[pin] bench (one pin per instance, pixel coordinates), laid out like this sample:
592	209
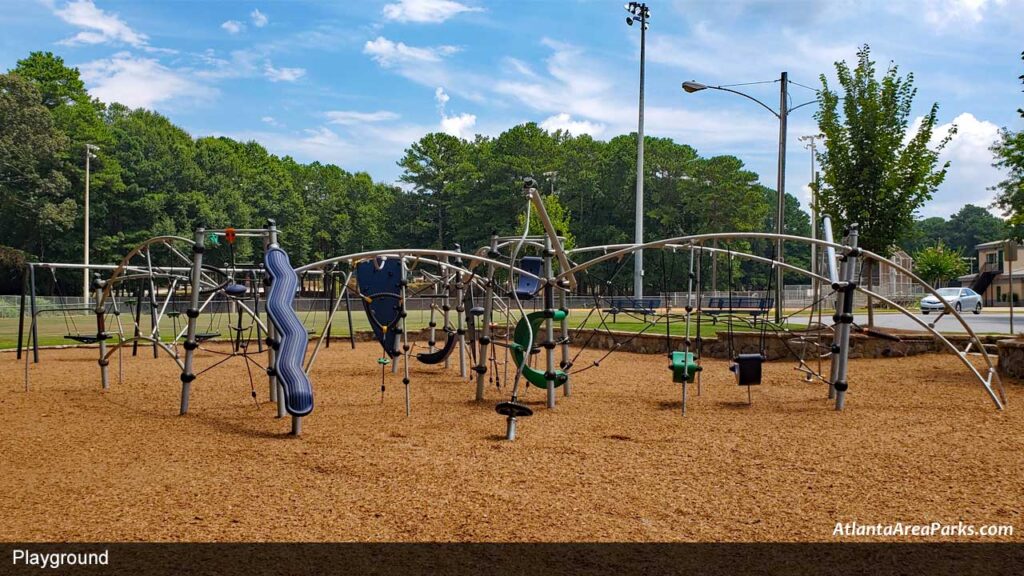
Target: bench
645	306
747	305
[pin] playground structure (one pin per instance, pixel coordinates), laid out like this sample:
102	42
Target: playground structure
479	297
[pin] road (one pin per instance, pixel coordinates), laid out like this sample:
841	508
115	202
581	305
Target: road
997	322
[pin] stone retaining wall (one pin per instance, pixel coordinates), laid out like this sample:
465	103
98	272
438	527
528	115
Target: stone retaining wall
1011	358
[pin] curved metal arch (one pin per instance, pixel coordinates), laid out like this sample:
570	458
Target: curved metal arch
414	253
698	240
1000	402
115	276
626	249
993	373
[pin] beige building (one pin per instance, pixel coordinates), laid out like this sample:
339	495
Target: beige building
889	281
993	280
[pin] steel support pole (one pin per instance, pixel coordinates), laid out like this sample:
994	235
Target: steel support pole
187	376
446	302
549	323
485	338
564	364
21	310
101	330
460	329
405	339
34	332
846	320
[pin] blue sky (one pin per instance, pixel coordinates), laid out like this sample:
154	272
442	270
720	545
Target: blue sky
354	83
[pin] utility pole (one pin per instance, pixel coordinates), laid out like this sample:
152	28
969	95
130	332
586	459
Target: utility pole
780	213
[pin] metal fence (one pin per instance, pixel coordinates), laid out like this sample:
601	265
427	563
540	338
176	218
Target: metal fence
795	297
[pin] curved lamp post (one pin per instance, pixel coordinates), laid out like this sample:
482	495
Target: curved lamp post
782	114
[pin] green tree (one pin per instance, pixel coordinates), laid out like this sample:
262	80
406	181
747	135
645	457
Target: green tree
939	263
33	187
1009	152
81	119
925	233
438	167
876	176
973	225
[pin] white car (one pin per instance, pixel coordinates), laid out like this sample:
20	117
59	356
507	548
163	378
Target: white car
960	299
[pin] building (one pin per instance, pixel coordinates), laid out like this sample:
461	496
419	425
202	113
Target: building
993	280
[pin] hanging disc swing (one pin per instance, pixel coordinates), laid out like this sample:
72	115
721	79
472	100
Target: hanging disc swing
685	364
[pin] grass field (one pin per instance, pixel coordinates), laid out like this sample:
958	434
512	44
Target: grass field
53	327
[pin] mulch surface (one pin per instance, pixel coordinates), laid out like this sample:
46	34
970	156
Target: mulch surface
919	442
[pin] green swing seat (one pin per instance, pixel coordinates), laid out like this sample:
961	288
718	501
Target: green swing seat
684	367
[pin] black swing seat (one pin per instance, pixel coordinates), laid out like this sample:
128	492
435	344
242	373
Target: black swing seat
173	314
747	368
88	339
477	311
513	409
235	290
438	356
204	336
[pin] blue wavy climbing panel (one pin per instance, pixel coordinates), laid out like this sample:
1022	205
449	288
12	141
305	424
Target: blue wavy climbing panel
380	285
292	337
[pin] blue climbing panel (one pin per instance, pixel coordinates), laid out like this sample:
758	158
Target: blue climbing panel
376	279
292	337
527	286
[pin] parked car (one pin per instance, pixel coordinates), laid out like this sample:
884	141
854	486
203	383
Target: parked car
960	299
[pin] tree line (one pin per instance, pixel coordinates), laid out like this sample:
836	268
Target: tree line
150	177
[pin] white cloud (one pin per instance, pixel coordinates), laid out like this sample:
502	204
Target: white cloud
441	97
970	172
233	26
565	122
259	19
460	126
138	82
388	53
709	55
282	74
99	27
425	11
270	120
942	13
349	117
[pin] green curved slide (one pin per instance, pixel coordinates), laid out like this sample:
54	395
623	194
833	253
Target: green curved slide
521	338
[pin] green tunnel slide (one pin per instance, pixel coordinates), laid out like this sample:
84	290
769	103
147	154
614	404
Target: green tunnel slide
521	339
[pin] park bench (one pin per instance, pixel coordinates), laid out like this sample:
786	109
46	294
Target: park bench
740	305
627	305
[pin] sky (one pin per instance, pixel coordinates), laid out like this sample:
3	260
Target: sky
355	83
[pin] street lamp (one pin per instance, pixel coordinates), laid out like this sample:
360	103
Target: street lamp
89	148
812	145
783	113
639	13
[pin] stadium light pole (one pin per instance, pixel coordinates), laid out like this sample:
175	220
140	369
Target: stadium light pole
783	114
639	13
89	148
